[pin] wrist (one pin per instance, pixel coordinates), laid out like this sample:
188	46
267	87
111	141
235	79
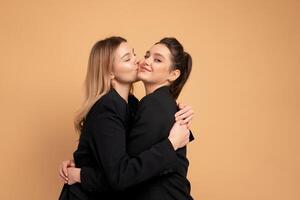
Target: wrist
78	175
173	144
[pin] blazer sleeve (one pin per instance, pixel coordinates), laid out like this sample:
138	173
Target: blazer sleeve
92	180
121	170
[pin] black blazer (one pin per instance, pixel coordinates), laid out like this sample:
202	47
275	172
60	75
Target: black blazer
153	121
106	168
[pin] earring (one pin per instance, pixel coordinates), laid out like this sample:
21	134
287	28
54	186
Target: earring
112	76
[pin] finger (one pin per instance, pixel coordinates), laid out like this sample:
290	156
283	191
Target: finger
61	173
186	109
72	163
181	111
179	122
65	168
187	120
63	178
189	124
185	115
181	105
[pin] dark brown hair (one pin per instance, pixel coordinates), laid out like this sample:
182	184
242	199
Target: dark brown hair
181	60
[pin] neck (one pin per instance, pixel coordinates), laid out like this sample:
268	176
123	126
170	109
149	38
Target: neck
122	89
149	88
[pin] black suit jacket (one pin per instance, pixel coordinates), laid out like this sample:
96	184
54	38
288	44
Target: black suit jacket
106	167
153	120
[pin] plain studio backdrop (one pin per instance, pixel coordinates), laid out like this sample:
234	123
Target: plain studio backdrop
244	88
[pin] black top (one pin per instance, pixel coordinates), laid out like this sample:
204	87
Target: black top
152	123
103	146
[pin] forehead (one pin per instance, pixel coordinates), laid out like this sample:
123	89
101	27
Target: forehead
161	49
123	49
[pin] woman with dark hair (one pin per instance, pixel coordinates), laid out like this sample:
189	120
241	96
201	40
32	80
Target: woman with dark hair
102	162
164	71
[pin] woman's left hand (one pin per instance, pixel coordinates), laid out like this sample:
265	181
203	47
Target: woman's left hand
73	175
186	114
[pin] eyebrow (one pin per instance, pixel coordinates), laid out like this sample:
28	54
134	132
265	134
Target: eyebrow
156	54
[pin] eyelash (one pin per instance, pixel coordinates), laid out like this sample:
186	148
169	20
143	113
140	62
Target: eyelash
156	60
130	58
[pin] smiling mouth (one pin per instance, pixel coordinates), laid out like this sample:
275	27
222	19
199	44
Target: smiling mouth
145	69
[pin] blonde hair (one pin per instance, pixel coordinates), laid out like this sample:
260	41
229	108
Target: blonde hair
97	81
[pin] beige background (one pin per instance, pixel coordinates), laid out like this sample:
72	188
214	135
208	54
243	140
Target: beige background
244	88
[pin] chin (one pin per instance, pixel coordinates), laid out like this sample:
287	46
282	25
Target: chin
136	79
141	79
141	76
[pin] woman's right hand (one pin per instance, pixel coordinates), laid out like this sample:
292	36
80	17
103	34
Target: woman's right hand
63	169
179	135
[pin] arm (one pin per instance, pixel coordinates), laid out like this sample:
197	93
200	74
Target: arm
92	180
121	170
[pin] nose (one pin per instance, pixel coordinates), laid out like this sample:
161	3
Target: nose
143	62
147	61
137	60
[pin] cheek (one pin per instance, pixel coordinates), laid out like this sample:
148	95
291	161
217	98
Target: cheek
125	72
160	72
124	68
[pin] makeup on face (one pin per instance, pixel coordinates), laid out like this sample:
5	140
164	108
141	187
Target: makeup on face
127	56
126	64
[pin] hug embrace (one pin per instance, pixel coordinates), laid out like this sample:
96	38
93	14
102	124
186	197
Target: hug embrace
131	149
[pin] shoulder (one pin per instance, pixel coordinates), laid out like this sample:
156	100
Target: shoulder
109	102
161	97
160	101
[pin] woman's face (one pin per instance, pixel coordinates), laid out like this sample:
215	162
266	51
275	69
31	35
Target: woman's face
156	66
125	64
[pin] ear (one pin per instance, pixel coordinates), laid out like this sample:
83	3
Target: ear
111	75
174	75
